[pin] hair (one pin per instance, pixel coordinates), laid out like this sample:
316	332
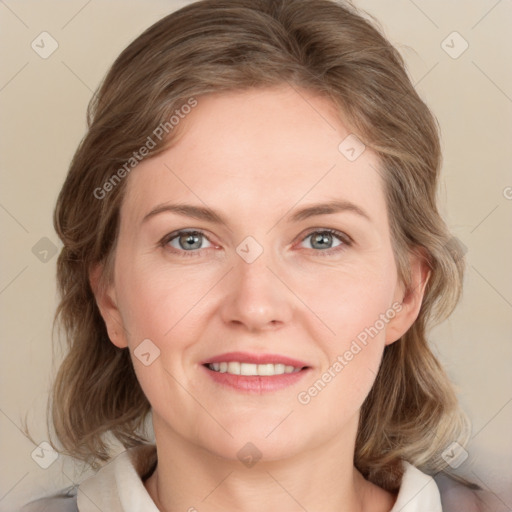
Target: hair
214	46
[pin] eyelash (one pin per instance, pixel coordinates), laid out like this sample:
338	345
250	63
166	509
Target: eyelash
345	239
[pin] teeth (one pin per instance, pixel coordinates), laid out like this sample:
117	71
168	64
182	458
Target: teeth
234	368
250	369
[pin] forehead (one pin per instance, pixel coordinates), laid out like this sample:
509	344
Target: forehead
257	151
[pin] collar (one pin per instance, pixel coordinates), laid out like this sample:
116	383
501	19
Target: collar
418	492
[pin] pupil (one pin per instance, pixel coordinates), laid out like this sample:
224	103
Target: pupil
191	241
323	239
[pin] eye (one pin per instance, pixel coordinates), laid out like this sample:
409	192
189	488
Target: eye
323	240
186	243
189	242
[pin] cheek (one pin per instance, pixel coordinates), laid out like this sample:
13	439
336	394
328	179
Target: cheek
161	306
156	301
349	300
357	306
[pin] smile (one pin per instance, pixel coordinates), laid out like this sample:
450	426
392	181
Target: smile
255	372
251	369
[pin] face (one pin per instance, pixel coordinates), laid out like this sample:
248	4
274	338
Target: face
317	291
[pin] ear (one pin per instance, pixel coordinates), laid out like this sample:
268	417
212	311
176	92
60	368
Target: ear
410	298
107	304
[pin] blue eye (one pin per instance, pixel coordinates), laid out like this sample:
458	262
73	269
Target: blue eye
323	239
189	242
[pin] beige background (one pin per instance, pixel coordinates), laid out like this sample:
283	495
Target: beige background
43	103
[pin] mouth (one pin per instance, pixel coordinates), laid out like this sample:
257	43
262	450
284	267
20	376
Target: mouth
255	373
251	369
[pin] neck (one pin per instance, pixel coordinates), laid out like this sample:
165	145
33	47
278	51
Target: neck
189	478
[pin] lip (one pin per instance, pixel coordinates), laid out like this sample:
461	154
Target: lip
256	384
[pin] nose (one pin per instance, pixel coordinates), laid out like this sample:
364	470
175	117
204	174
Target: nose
256	296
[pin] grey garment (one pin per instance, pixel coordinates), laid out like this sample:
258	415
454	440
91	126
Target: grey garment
63	502
456	497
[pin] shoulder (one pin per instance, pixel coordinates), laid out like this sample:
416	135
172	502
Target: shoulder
62	503
456	496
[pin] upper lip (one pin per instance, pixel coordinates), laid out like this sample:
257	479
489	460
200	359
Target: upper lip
246	357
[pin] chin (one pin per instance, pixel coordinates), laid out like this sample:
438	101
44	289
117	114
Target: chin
258	441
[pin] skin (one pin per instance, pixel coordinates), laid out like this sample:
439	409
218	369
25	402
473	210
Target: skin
256	156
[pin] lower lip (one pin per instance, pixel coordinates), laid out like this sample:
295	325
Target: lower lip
257	384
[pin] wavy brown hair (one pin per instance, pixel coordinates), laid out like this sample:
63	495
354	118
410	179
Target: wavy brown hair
209	46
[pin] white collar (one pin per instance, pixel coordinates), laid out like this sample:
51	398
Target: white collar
117	486
418	492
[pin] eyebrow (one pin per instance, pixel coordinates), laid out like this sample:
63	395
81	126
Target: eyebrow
209	215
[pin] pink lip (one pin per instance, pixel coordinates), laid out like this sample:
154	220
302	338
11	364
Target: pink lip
245	357
256	384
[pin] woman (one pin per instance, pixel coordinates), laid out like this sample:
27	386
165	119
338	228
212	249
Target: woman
252	256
